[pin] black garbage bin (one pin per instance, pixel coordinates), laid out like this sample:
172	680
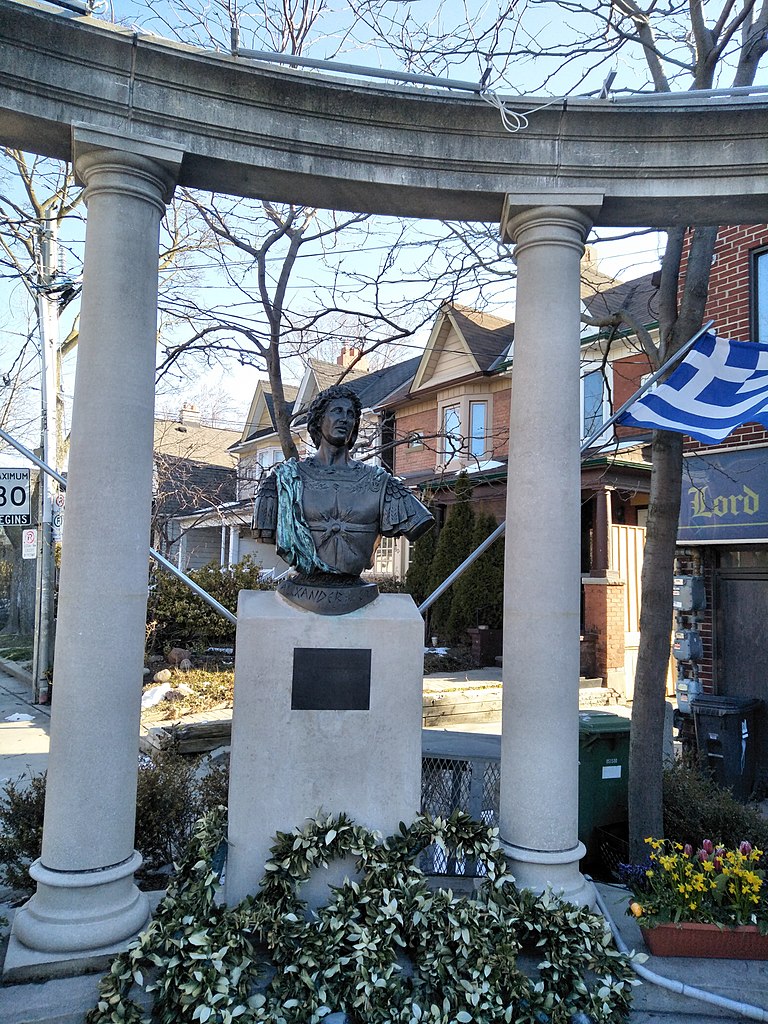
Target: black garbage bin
725	736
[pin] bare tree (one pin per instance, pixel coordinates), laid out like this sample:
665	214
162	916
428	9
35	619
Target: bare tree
684	44
296	277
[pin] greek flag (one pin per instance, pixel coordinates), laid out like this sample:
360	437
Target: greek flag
719	385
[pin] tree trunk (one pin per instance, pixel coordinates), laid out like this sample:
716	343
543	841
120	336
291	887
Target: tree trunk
676	324
647	735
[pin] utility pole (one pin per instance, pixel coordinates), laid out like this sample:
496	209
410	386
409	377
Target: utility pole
49	342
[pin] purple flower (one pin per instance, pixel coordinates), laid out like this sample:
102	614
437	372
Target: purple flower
745	848
707	846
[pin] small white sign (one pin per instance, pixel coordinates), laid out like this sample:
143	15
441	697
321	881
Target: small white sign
14	498
29	544
612	771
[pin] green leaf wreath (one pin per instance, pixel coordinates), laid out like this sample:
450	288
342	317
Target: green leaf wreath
387	947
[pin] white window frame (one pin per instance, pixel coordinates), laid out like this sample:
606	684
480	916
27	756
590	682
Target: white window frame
451	443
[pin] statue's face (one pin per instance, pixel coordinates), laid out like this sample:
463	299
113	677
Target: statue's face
338	422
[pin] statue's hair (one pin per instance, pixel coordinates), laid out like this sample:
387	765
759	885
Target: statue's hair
321	403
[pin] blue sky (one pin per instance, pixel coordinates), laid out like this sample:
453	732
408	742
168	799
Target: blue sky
623	258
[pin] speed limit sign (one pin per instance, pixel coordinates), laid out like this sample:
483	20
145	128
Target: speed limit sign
14	498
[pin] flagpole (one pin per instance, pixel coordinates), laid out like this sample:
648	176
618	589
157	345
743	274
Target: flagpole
586	445
429	601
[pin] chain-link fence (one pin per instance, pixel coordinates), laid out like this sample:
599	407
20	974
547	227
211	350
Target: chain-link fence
466	783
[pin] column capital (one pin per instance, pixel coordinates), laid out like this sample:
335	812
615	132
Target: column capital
157	162
576	209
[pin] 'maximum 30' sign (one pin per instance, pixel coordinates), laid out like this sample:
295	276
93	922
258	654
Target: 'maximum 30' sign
725	497
14	497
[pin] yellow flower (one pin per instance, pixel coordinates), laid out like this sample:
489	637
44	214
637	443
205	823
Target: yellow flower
636	909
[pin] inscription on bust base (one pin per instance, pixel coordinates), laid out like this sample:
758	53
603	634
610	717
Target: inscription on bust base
327	597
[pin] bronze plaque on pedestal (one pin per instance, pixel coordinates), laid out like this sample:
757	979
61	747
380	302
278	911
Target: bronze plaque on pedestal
331	679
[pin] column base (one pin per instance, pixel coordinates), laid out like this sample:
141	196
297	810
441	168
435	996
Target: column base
74	912
539	870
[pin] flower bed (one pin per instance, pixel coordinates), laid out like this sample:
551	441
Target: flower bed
708	902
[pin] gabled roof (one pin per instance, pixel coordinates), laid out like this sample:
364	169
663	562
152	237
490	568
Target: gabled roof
487	336
639	297
260	421
463	342
320	375
375	387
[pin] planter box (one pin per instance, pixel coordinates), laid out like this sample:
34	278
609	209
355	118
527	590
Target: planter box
706	940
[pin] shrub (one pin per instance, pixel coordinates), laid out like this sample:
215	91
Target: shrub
696	808
172	793
478	598
456	659
420	570
21	829
453	546
177	617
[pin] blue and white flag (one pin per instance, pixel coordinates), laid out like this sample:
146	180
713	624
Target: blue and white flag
719	385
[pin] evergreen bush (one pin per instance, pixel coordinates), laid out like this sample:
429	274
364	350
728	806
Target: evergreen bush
478	598
453	546
420	570
177	617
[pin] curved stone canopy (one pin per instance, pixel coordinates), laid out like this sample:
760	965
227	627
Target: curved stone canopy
263	131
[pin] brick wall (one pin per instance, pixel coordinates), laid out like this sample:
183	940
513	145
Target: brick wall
729	305
500	423
604	620
729	293
416	460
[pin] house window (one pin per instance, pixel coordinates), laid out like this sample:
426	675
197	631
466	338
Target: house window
477	418
760	296
464	429
416	439
451	439
595	401
269	457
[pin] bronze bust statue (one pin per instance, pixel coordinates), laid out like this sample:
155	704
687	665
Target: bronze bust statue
326	513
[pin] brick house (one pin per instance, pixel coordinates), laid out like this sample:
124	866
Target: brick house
454	415
723	533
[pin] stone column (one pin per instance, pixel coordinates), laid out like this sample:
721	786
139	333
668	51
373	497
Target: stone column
540	730
86	899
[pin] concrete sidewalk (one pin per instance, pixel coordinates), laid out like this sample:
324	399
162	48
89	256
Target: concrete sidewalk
24	729
24	748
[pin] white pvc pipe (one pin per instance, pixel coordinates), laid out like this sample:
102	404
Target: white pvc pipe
679	987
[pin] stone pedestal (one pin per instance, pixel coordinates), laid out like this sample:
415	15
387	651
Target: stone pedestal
327	718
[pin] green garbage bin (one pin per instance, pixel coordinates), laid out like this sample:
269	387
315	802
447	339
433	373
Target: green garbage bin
603	771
